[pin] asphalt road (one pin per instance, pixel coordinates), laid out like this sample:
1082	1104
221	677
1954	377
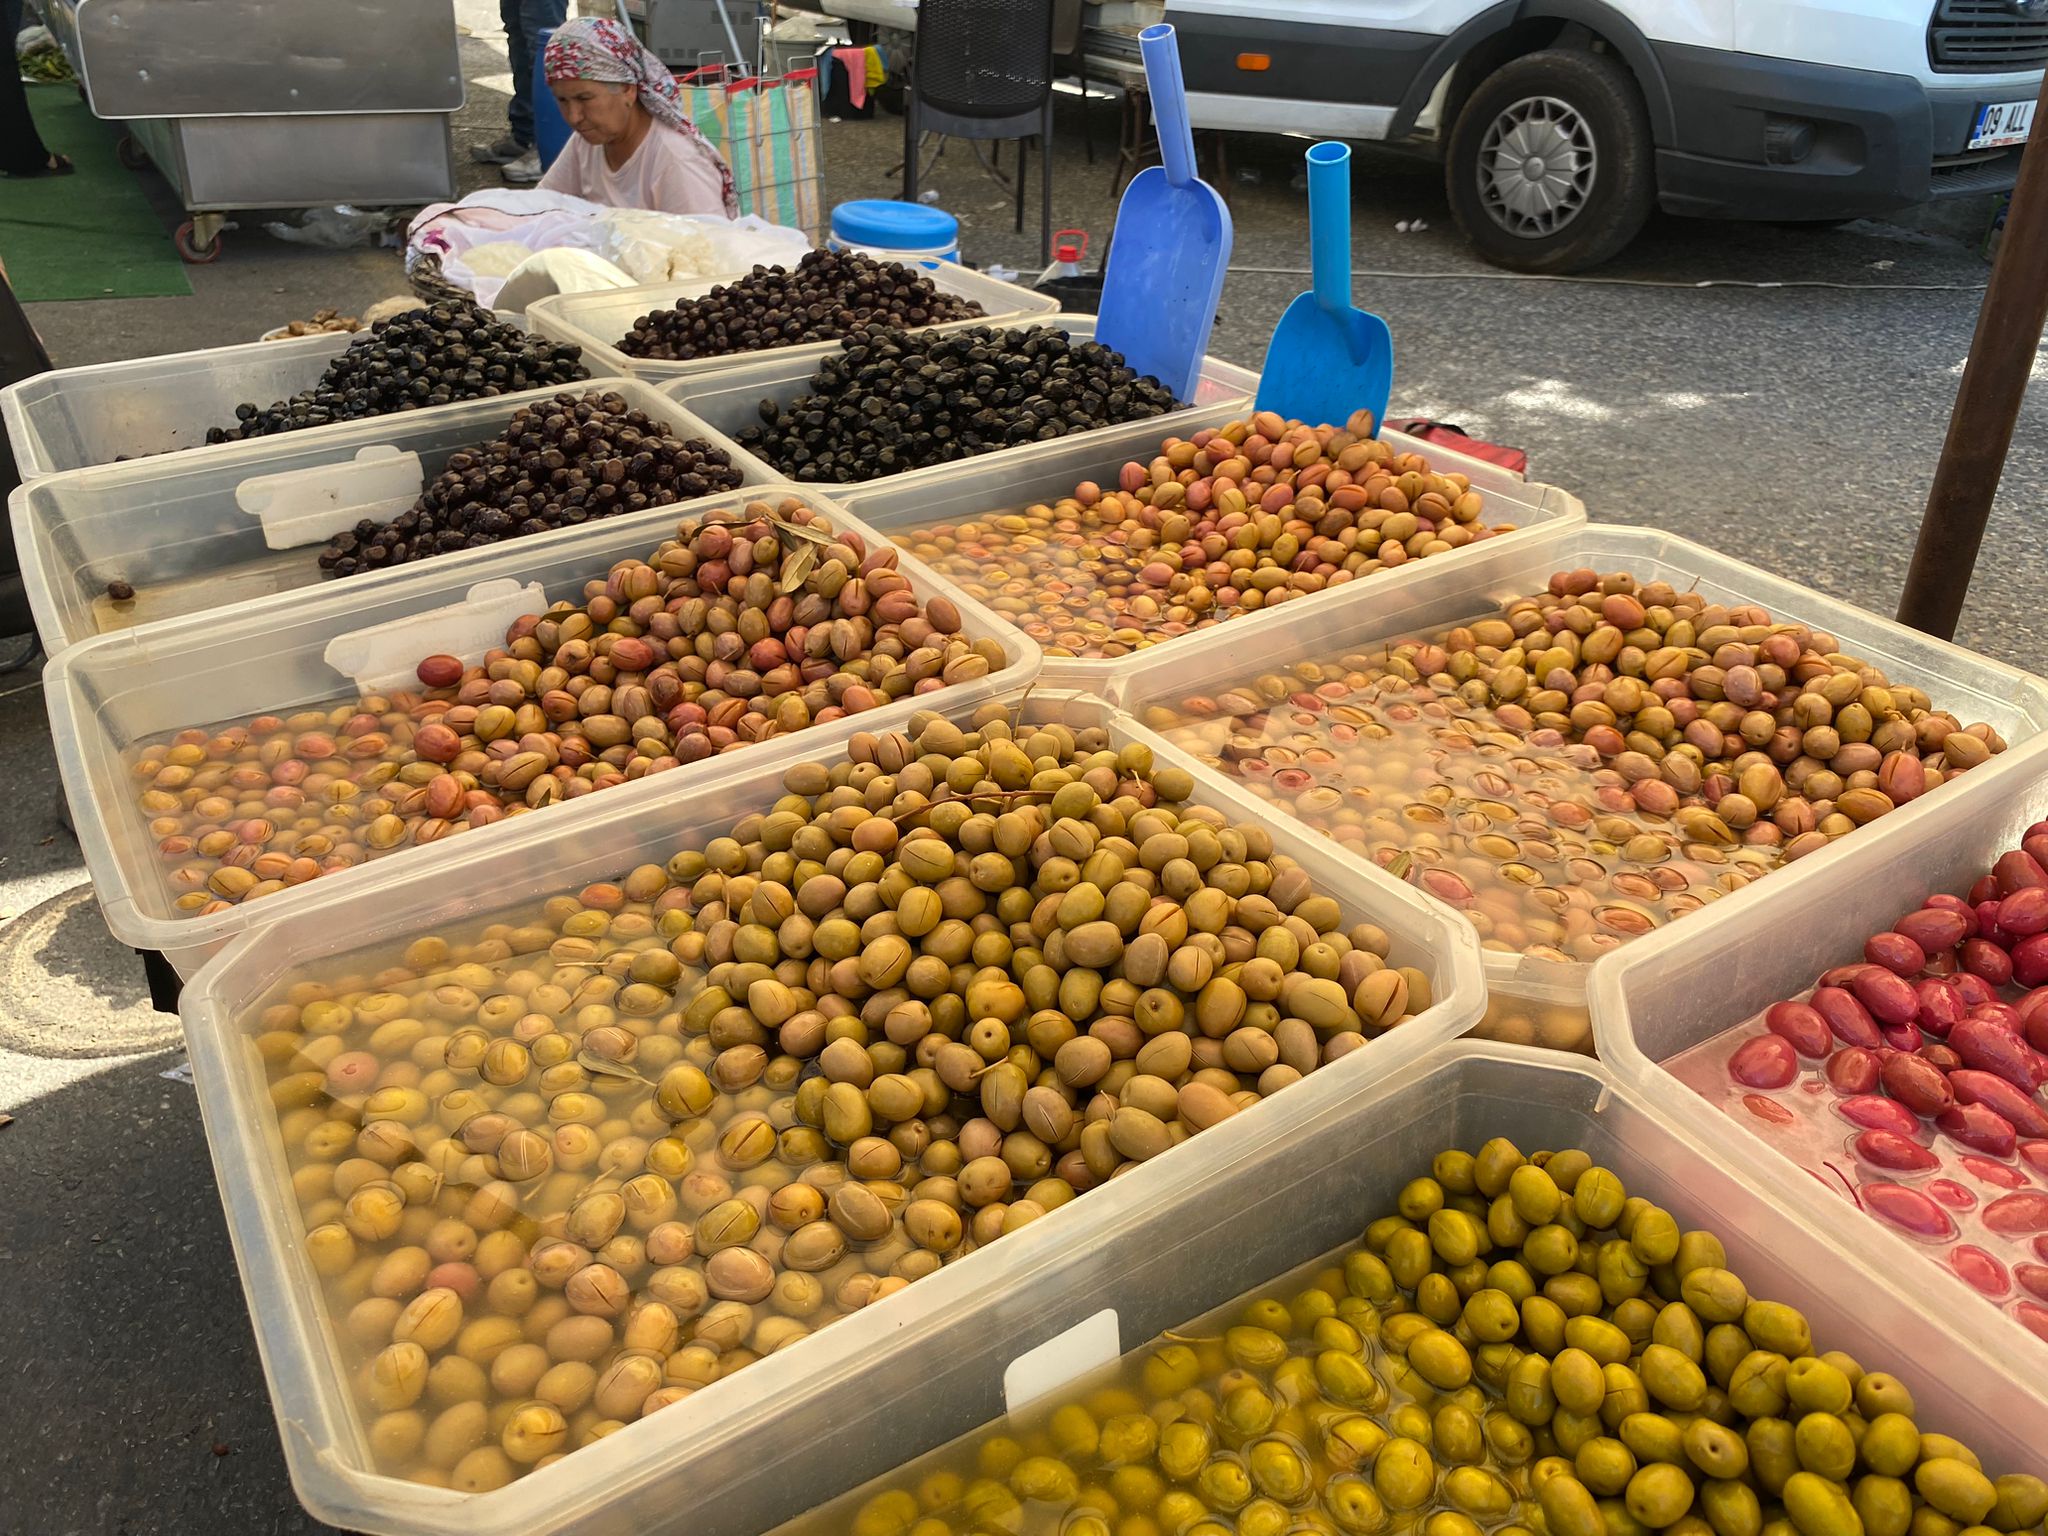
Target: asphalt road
1775	394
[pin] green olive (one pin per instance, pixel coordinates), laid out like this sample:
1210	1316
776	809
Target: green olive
1731	1508
1783	1330
1955	1488
1354	1506
1653	1437
1278	1470
1569	1508
1824	1445
1660	1493
1717	1295
1183	1446
1348	1380
1883	1504
1224	1484
1605	1465
1404	1474
1715	1449
1352	1442
1819	1507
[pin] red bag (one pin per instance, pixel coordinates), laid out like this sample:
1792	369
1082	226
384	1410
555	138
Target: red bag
1454	437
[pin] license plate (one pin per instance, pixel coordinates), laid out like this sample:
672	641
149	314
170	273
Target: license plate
2003	123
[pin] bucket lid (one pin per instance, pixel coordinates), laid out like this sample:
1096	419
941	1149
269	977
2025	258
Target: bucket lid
895	226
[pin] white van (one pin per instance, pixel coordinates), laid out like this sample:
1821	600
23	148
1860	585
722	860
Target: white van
1561	122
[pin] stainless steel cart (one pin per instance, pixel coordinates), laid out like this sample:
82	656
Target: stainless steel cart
253	104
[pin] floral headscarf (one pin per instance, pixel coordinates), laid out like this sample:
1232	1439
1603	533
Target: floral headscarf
598	48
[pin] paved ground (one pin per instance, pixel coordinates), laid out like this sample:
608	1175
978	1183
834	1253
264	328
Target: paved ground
1778	395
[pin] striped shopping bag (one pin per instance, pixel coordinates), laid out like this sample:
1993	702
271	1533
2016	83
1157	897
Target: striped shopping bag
767	129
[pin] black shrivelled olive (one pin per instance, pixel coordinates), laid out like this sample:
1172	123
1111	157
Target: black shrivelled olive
893	400
565	461
828	295
420	358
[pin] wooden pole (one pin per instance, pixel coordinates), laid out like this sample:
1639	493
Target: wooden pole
1987	402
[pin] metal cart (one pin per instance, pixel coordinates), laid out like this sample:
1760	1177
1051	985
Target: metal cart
252	104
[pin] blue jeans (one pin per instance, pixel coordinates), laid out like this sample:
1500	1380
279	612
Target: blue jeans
523	21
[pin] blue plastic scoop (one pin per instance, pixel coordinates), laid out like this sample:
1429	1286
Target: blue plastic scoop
1171	245
1327	359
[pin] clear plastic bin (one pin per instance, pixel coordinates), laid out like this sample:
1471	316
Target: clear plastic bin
1659	997
800	1424
108	694
905	505
597	321
1309	1194
731	399
171	527
71	418
1539	1000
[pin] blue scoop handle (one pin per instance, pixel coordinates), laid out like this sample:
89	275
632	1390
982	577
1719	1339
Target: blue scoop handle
1329	223
1170	103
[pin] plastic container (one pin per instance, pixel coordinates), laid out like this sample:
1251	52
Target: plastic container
597	321
1545	1001
70	418
732	399
889	230
790	1429
172	527
1665	994
1308	1195
109	694
905	505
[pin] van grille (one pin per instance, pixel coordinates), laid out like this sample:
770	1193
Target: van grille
1986	37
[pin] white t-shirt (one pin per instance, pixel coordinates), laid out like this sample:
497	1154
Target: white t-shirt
669	173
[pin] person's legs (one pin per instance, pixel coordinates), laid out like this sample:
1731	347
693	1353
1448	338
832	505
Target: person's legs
22	151
535	17
519	45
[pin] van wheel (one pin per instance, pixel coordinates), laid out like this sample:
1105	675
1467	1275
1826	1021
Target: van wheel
1551	165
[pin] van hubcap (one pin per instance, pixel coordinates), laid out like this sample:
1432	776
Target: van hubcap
1536	167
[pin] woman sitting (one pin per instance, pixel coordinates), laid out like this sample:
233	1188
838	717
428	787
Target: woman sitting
632	145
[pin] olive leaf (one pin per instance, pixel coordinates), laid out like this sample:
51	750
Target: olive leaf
590	1061
808	533
797	568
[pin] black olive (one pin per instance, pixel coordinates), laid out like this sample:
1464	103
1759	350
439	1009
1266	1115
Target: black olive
827	296
892	400
423	357
556	465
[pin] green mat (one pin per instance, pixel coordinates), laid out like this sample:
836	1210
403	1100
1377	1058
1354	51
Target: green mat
92	235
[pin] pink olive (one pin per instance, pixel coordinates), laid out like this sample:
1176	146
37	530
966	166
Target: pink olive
1853	1070
2033	1278
1917	1084
2016	1215
1988	1047
1890	998
2033	1318
1988	1172
1941	1006
1846	1018
1973	989
2017	870
1874	1113
1978	1127
1934	928
1983	1272
2035	1155
1943	902
1986	889
1938	1055
1901	1154
1842	975
1952	1194
1898	953
1901	1037
1768	1061
2025	911
2030	960
1985	959
1908	1210
1806	1029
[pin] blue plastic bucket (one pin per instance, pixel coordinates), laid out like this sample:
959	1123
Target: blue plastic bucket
893	231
